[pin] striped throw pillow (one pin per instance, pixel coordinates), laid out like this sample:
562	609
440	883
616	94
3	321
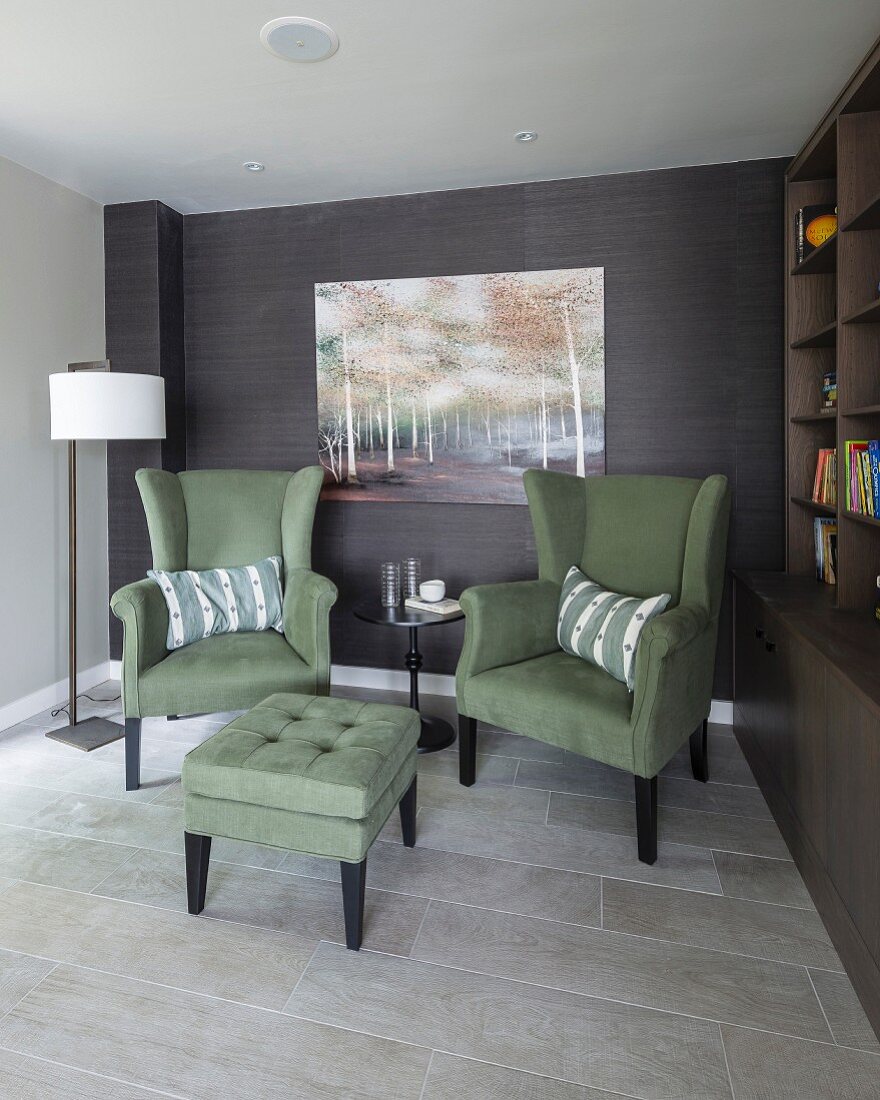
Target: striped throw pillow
220	601
604	627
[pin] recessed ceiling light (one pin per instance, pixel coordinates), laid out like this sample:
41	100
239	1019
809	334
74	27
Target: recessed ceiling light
253	166
525	136
295	38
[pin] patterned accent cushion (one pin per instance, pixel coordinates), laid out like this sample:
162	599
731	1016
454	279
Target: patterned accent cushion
221	601
604	627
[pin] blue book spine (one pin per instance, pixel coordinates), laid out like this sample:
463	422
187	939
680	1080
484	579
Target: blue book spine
874	457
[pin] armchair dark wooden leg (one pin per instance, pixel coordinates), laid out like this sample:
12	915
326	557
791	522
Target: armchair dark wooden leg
198	853
646	818
354	881
467	750
408	815
700	752
132	753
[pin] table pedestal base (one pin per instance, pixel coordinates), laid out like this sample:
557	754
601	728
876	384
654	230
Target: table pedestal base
437	734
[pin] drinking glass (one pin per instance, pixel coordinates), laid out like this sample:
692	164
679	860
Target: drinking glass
390	583
412	576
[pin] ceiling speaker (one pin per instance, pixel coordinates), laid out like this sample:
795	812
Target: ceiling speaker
295	38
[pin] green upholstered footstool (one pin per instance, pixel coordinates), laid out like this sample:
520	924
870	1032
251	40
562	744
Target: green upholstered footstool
308	773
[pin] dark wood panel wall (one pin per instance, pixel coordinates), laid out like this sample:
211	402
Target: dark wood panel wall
143	273
693	300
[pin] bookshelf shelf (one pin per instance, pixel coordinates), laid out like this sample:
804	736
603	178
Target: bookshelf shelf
867	315
862	410
821	262
825	337
814	418
859	518
816	505
867	218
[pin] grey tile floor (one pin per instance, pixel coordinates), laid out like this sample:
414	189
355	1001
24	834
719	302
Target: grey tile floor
519	951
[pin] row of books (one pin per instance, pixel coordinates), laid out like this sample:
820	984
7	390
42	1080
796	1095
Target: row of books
829	390
862	458
813	225
825	536
825	482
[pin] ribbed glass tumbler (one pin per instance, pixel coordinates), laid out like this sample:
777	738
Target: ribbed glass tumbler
412	577
390	583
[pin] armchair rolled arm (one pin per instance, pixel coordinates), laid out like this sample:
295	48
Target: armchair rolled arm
507	623
308	598
144	615
673	684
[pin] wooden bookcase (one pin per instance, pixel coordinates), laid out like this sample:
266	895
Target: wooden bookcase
833	320
807	654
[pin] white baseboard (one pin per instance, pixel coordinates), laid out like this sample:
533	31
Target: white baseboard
430	683
54	695
721	712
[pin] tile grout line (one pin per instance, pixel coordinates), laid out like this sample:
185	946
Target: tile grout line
94	1073
726	1061
27	993
611	1000
631	935
406	959
430	900
109	874
427	1075
567	1080
631	802
536	1074
419	930
305	968
499	859
821	1006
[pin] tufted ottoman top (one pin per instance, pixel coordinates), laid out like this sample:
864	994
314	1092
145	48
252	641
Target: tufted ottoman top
304	753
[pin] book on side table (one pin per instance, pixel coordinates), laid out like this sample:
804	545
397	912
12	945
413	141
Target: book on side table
437	607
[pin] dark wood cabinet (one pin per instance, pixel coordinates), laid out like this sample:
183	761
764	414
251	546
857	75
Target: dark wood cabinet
854	809
807	714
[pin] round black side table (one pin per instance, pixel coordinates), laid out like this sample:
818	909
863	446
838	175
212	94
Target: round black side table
436	734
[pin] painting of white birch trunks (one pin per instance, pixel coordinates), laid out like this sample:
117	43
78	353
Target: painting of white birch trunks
447	388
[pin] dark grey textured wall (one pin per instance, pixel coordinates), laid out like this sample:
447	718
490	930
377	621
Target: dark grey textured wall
143	277
693	301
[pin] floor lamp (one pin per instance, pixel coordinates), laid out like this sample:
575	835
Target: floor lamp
91	402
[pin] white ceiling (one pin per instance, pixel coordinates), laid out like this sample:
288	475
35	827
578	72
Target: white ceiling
144	99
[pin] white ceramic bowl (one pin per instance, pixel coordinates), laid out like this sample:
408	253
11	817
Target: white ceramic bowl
432	591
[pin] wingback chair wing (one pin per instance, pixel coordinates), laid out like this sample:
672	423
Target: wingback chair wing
204	519
638	535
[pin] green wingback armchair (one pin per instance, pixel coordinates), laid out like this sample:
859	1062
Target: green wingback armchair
203	519
632	534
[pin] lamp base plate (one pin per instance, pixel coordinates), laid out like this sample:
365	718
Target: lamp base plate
90	733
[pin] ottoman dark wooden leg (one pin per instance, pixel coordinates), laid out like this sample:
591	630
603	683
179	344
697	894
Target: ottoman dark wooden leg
408	815
198	853
354	881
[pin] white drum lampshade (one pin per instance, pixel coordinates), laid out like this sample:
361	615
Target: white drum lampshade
104	405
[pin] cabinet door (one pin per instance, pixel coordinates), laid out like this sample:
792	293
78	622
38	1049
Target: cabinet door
797	729
853	858
749	666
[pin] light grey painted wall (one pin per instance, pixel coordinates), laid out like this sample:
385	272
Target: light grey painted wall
51	313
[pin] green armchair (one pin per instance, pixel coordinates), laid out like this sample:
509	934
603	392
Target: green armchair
203	519
632	534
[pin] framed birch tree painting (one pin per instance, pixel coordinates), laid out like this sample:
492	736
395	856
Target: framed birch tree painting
445	389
